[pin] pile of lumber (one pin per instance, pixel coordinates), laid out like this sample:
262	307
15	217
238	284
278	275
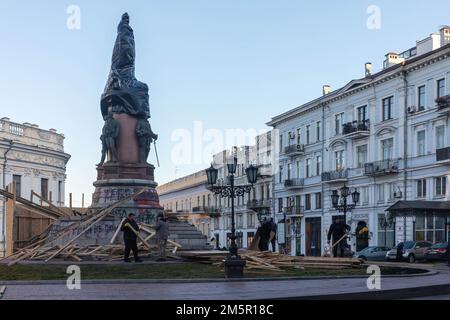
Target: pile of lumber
271	261
46	245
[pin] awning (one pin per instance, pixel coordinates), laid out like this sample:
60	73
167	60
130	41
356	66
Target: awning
406	207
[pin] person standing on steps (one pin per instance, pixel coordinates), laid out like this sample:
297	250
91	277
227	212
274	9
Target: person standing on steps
162	234
129	228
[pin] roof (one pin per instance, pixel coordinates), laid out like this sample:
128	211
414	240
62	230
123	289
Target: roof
412	205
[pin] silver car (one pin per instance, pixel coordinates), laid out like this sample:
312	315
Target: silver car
412	251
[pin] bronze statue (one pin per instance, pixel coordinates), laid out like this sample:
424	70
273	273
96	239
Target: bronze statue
123	92
110	132
145	137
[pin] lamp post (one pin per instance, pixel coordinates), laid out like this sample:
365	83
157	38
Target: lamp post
385	222
340	203
234	265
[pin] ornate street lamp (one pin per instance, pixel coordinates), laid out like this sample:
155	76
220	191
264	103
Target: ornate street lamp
234	265
339	202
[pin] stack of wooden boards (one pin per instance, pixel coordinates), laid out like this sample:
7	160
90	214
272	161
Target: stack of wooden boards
43	247
271	261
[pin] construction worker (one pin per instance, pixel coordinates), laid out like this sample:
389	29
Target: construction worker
162	234
130	229
338	229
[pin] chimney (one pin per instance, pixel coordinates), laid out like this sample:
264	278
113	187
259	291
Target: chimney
326	89
445	35
392	58
368	69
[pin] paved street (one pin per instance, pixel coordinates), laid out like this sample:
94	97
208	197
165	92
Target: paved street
217	290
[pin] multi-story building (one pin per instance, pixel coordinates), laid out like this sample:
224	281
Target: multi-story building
386	135
34	160
250	208
190	199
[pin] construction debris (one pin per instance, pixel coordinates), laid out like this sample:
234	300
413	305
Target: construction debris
271	261
43	247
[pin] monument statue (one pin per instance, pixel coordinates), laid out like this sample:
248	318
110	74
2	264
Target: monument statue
123	92
145	137
110	132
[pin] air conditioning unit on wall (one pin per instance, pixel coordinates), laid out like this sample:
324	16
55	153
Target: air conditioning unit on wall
412	109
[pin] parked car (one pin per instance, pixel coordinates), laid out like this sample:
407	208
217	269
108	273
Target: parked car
373	253
437	252
412	251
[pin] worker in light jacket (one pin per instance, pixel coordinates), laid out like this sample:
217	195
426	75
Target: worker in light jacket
129	228
162	234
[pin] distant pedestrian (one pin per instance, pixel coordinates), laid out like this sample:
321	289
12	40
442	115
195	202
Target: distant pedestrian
264	234
338	230
400	247
162	234
273	233
130	229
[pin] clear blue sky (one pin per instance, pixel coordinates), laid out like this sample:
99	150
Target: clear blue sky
227	63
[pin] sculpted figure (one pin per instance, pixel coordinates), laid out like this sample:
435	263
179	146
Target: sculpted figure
110	132
145	137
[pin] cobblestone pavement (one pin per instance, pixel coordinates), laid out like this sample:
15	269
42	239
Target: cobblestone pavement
217	290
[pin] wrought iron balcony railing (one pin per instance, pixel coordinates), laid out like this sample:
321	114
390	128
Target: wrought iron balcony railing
443	154
259	204
294	183
355	126
294	210
294	149
335	175
381	167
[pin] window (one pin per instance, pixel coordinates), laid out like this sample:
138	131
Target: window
440	88
421	143
361	155
299	136
281	143
262	192
385	232
338	122
251	220
318	165
364	195
59	192
318	129
308	134
280	174
307	202
440	137
339	160
380	193
318	200
362	114
421	189
308	168
387	108
387	147
289	171
421	98
17	180
298	169
44	188
430	228
280	204
440	184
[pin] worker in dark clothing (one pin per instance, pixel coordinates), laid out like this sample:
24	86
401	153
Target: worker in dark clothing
338	229
264	234
400	247
129	228
448	252
273	233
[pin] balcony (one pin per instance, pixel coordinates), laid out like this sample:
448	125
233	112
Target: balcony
356	129
382	167
258	205
335	176
294	183
211	211
295	149
264	170
443	155
443	104
294	210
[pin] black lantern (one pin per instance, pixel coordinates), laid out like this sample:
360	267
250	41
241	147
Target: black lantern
334	198
355	196
232	165
345	191
252	174
211	175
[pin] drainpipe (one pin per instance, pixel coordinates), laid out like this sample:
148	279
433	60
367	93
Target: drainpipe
5	160
321	168
405	144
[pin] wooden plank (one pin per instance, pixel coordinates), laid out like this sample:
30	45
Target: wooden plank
117	231
9	225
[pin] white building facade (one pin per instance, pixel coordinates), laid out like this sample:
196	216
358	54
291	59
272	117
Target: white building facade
34	159
384	135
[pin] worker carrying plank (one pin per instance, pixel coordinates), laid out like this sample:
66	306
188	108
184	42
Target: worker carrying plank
130	234
338	230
